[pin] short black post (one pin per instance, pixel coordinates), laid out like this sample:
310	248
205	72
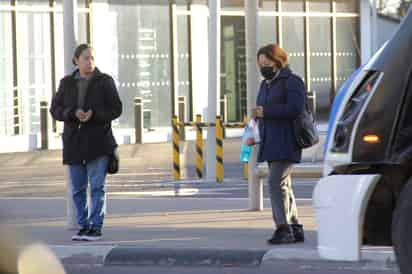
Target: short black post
43	125
182	116
138	120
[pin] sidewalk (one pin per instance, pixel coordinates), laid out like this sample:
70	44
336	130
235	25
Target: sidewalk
162	230
174	231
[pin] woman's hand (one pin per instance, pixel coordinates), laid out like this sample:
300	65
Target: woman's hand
257	112
83	116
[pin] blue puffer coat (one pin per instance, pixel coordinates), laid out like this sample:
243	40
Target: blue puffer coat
283	99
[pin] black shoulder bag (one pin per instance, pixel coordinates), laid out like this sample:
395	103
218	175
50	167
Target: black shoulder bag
113	165
304	128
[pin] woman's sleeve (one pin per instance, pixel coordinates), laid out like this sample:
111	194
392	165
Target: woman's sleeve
294	105
58	110
113	106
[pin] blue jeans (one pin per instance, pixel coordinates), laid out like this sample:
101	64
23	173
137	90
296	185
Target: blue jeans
95	173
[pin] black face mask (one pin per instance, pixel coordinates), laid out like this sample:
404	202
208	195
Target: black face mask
267	72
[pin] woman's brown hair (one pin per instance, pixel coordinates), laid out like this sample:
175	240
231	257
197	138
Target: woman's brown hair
275	53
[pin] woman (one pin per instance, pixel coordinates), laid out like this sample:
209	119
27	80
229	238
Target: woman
280	100
87	101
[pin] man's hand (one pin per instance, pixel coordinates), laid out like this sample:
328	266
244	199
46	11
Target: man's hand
257	112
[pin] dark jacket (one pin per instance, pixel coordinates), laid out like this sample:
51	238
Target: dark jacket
282	100
84	142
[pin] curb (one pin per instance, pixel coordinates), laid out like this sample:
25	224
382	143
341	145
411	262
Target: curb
378	259
183	257
72	254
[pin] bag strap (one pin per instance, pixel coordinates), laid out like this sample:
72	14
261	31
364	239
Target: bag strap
285	85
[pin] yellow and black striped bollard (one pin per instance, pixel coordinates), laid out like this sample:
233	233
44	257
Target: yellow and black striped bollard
176	150
199	147
219	150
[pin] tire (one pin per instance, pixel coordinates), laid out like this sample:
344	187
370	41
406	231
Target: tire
402	229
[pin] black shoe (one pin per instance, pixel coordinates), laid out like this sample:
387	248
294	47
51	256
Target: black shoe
80	235
282	235
93	234
298	232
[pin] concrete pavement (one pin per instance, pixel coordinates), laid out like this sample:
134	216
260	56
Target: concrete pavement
174	231
169	229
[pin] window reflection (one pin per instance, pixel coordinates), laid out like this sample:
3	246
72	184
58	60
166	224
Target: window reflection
394	8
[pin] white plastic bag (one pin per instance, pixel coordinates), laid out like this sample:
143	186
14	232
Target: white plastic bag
250	137
251	133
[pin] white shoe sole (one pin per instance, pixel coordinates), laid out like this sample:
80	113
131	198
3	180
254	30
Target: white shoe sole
77	238
91	239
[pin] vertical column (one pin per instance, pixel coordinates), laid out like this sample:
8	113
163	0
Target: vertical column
365	31
16	108
307	45
173	56
52	57
251	8
89	22
279	24
334	53
70	40
374	29
214	84
70	33
189	62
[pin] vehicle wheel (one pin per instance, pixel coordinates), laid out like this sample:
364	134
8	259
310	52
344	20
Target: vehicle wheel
402	228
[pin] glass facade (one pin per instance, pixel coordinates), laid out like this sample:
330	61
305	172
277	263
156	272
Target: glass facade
320	60
347	48
349	6
294	44
320	6
34	66
292	6
6	75
233	66
132	43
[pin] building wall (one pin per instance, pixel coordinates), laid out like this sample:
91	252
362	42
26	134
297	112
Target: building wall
132	42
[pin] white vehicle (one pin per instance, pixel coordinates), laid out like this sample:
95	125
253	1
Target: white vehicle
365	196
